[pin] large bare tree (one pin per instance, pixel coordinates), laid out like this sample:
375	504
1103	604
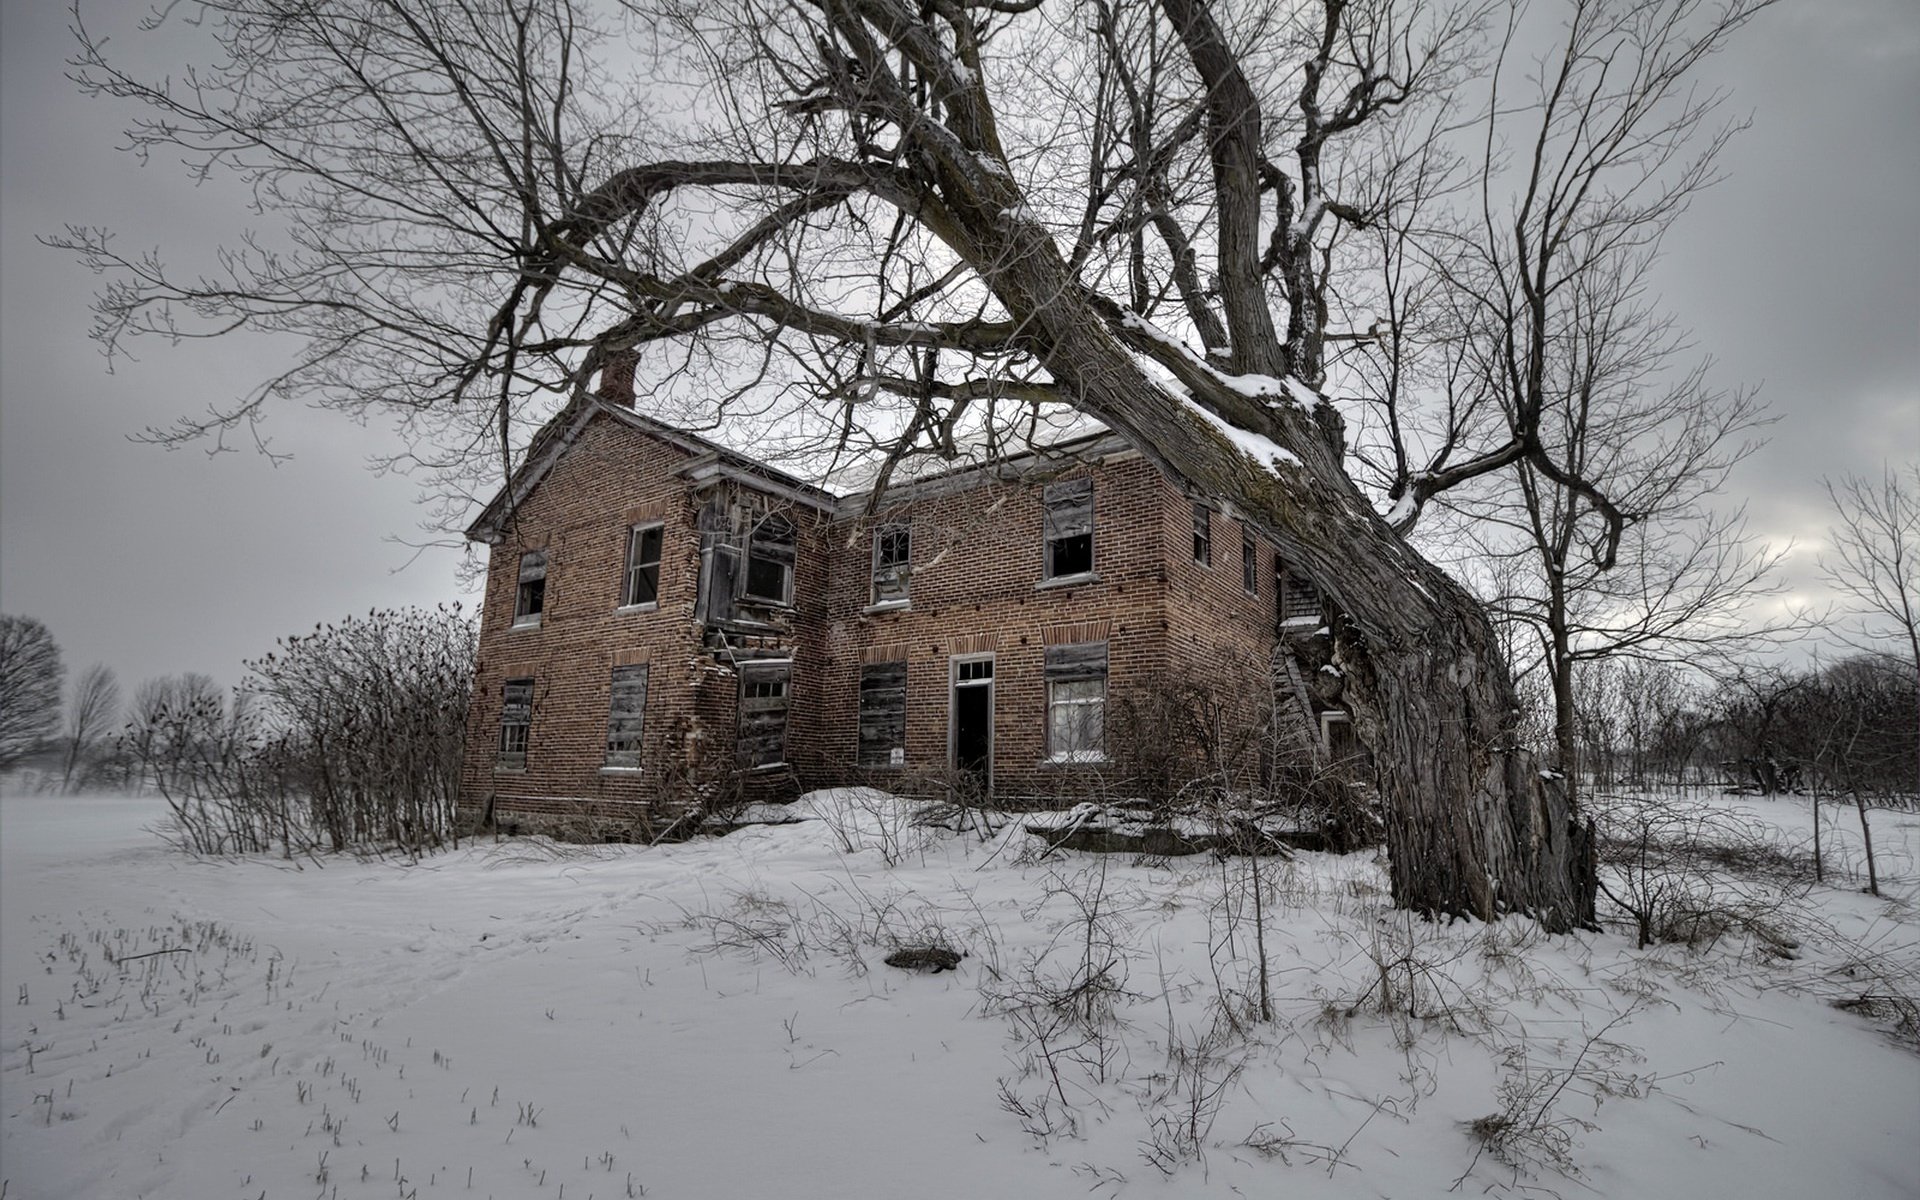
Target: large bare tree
31	674
887	228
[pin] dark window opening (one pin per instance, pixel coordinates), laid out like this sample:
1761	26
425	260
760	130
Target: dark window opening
530	598
1069	528
1249	562
883	715
626	715
643	565
516	722
763	714
892	563
770	560
1202	535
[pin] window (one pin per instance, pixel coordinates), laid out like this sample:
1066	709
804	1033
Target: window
770	560
892	563
516	722
1298	598
531	597
626	716
642	585
1069	528
763	713
1076	702
1202	535
1249	562
883	714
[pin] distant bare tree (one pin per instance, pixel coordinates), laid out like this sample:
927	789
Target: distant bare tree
93	715
1875	564
31	675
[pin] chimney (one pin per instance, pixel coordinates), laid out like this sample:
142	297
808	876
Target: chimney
616	377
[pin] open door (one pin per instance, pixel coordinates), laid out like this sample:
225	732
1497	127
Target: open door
970	727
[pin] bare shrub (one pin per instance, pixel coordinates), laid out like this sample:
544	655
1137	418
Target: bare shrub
1692	874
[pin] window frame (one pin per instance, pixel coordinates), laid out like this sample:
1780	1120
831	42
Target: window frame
1070	666
530	589
636	567
506	759
1062	504
899	573
1249	562
1202	534
632	729
783	557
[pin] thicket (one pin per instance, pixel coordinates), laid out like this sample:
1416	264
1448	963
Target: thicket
349	738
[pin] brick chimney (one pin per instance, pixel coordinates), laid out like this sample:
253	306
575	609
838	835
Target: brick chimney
616	377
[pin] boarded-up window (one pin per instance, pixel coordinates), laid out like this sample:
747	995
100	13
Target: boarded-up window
1249	562
883	713
763	713
1202	535
1069	528
892	562
626	715
530	598
770	560
642	584
516	722
1076	702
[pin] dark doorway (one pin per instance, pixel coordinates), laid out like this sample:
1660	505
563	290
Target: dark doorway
973	720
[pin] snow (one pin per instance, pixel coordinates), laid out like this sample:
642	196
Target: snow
522	1019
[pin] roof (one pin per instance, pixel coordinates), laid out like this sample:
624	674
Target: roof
709	459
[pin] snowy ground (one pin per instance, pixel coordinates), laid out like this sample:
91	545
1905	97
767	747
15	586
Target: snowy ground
714	1020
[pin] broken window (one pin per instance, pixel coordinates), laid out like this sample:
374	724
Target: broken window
516	722
1076	702
770	560
642	584
883	714
763	713
1202	534
892	563
531	596
1249	562
626	715
1069	528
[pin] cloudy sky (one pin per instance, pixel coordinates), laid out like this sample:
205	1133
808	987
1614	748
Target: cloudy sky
1799	274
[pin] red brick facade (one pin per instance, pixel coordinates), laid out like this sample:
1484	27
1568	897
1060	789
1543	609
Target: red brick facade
977	587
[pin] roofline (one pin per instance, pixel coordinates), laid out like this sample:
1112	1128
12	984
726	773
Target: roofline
709	458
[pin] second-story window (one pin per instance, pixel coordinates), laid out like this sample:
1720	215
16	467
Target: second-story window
770	560
642	585
892	562
1069	528
1249	562
530	598
1202	534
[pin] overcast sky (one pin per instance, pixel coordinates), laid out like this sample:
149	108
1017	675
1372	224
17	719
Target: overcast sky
1800	274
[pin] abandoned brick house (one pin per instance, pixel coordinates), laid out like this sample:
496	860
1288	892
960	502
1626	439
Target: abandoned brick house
662	614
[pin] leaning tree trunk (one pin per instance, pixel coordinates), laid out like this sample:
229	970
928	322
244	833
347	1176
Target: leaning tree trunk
1474	827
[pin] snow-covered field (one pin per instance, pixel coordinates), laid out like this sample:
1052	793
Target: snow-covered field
715	1019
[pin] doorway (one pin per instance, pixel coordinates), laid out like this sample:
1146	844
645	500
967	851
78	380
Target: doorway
970	724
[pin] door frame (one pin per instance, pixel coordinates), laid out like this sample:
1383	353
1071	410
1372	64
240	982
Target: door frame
954	684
